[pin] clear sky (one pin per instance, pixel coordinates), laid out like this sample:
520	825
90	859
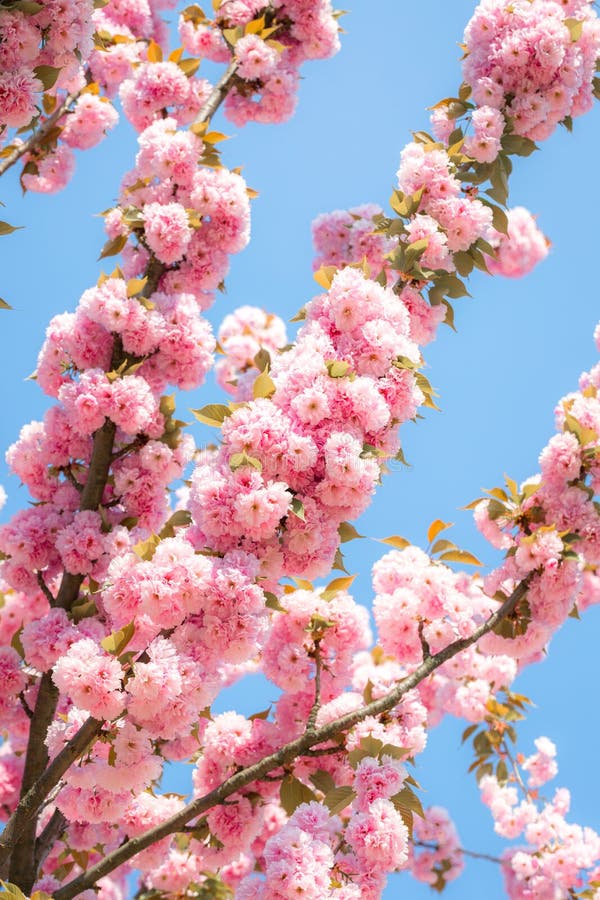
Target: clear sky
520	345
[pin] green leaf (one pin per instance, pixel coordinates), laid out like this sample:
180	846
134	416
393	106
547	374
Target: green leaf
189	67
463	263
293	792
114	246
499	218
394	752
337	368
272	602
400	457
83	609
300	315
214	414
324	276
6	228
468	732
336	586
407	799
575	27
495	510
29	7
260	715
395	541
443	545
436	528
135	286
338	799
47	75
236	460
180	517
262	360
264	386
145	549
116	642
518	145
501	772
323	781
415	251
348	532
461	556
297	507
338	562
16	644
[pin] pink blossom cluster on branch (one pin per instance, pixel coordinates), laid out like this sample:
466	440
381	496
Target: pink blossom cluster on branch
64	63
127	617
52	34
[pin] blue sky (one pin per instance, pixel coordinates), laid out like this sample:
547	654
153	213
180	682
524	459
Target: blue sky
520	345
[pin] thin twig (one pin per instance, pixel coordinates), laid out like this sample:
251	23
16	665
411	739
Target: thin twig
140	441
431	845
68	473
312	718
49	835
424	642
26	706
516	771
46	590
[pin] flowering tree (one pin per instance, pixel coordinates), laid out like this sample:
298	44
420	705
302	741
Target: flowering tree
126	612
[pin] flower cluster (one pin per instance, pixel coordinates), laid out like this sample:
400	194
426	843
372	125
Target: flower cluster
519	250
550	527
532	61
138	614
268	45
293	467
437	857
304	856
242	336
558	857
53	34
344	237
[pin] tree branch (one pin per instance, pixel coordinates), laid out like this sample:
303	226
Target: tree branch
287	754
431	845
20	869
39	134
49	835
45	589
312	718
31	801
219	92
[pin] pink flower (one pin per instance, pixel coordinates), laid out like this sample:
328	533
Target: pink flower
91	678
256	59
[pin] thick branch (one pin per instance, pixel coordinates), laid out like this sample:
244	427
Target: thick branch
287	754
37	793
20	870
39	134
